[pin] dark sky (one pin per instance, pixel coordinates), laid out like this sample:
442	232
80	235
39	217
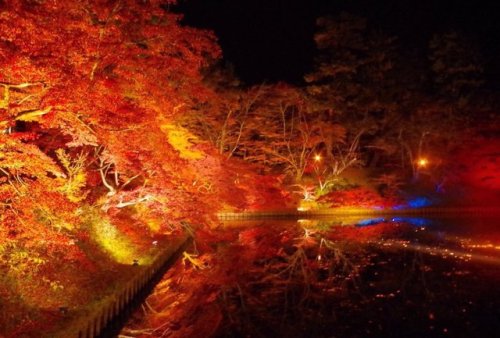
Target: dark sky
271	40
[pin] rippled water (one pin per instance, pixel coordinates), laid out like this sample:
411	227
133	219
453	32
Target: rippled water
361	277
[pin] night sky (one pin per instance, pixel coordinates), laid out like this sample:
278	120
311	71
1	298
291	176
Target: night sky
272	40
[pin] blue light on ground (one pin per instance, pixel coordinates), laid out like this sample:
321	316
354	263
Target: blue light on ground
370	221
416	221
417	202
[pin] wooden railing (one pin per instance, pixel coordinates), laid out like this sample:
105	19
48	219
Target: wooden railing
294	213
115	309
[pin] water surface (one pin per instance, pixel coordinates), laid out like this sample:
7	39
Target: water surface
360	277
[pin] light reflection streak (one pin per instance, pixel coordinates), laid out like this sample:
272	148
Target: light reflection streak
484	246
444	252
465	249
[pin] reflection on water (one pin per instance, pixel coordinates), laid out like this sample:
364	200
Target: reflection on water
361	277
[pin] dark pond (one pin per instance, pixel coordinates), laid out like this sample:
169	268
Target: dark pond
361	277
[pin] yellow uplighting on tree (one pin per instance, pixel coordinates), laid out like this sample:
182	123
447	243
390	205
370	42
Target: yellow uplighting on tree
317	157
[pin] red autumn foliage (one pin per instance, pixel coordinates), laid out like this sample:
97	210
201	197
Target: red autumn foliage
84	90
98	78
356	197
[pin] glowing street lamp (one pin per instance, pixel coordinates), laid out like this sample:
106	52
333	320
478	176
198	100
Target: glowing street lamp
422	163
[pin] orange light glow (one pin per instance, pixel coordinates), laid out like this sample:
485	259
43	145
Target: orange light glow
317	157
422	163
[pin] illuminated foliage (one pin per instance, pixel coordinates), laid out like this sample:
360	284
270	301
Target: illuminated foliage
102	81
85	90
182	141
76	176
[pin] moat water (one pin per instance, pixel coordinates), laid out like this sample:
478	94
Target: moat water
390	276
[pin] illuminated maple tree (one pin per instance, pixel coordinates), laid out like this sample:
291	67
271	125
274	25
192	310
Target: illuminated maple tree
101	77
86	90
